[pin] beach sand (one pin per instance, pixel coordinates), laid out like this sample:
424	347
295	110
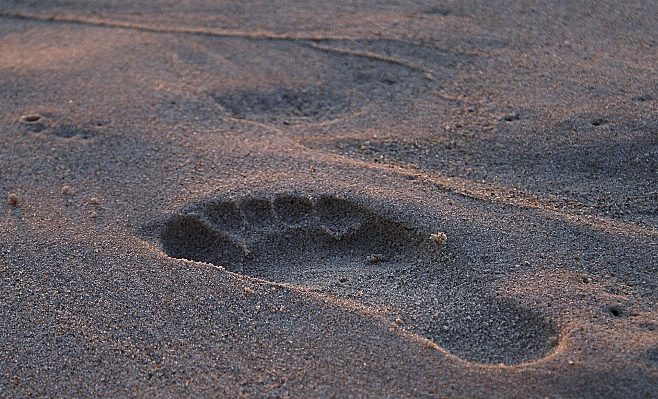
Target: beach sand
346	199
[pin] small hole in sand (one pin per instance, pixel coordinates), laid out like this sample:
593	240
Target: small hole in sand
31	118
33	122
598	122
615	310
443	11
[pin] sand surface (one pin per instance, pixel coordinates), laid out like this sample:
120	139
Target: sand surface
329	199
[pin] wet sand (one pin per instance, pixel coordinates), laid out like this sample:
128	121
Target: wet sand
372	199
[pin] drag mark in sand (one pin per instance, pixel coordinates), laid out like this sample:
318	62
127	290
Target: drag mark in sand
343	248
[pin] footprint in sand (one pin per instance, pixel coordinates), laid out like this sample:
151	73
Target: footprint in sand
38	123
343	248
308	104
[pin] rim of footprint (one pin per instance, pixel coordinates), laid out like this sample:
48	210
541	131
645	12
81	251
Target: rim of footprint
343	248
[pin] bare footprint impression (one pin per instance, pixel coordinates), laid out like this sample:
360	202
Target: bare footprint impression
340	247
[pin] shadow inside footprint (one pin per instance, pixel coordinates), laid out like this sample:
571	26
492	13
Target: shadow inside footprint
342	248
190	235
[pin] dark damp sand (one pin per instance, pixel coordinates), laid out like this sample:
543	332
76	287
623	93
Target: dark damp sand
221	199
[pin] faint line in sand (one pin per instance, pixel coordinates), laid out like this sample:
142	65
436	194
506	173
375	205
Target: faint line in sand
427	74
374	56
110	23
473	190
231	33
517	199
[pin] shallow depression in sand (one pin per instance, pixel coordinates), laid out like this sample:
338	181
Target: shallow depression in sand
343	248
48	124
309	104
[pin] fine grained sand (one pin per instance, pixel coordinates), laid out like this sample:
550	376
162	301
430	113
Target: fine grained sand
238	199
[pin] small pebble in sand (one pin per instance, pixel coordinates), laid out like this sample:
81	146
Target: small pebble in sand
94	201
439	239
249	291
399	321
12	199
94	214
66	190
